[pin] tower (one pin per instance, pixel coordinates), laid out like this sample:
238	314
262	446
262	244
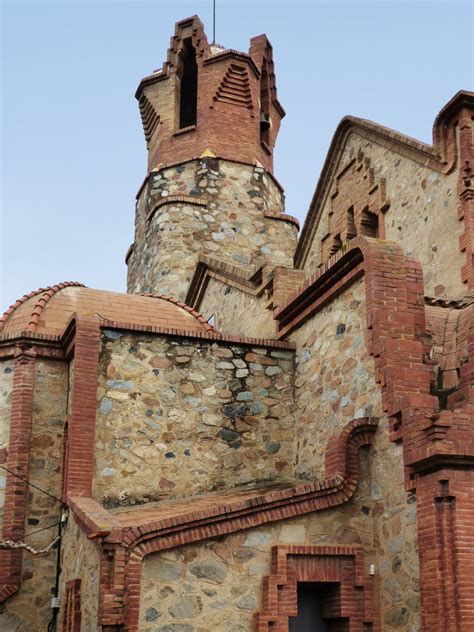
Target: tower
211	118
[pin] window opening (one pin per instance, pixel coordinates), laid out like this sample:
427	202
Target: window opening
264	105
351	227
188	88
369	224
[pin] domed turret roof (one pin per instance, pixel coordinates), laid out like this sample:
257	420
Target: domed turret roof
48	310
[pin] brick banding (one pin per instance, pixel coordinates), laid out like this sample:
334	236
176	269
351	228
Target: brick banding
283	217
175	199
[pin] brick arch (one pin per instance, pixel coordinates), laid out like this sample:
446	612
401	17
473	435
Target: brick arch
352	598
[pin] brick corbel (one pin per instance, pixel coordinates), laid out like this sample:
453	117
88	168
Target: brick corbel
16	492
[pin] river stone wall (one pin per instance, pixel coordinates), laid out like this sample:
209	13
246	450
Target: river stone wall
218	584
38	572
335	384
422	212
237	313
226	221
81	561
189	416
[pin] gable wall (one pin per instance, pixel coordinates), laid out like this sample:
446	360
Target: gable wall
422	215
237	313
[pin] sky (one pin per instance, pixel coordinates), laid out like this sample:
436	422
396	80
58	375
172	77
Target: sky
73	153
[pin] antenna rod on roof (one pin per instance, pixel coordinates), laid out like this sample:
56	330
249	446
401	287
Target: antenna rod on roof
213	21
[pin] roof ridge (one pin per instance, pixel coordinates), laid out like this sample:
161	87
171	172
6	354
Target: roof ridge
171	299
42	290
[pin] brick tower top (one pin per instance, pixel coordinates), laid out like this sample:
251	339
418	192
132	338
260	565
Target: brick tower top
212	100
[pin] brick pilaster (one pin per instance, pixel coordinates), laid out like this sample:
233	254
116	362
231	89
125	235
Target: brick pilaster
16	493
81	427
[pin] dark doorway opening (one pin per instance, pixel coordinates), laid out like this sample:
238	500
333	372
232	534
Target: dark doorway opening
310	601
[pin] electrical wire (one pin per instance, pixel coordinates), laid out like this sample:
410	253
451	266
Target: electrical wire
32	484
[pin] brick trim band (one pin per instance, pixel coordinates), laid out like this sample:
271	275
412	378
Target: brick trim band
175	199
283	216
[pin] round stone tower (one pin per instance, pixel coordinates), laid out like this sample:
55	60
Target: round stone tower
211	117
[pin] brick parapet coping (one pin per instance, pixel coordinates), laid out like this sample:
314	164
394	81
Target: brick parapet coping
216	519
16	491
343	567
442	156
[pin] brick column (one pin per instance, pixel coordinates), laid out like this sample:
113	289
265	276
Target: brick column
445	502
82	418
16	493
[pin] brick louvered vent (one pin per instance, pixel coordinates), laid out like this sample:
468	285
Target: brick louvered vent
235	87
150	118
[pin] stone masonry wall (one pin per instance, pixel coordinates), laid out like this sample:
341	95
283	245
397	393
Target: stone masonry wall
422	216
335	384
218	584
190	416
236	312
80	560
6	386
334	377
226	220
38	572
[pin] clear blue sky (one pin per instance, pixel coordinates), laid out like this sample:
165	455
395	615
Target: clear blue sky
73	152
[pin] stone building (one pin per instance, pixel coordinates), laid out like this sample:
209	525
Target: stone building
270	431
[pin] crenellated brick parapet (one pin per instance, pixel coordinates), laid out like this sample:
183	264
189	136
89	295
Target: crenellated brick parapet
207	97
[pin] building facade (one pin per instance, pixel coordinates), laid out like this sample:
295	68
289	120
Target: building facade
272	431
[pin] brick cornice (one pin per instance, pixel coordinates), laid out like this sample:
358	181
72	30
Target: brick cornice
197	335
